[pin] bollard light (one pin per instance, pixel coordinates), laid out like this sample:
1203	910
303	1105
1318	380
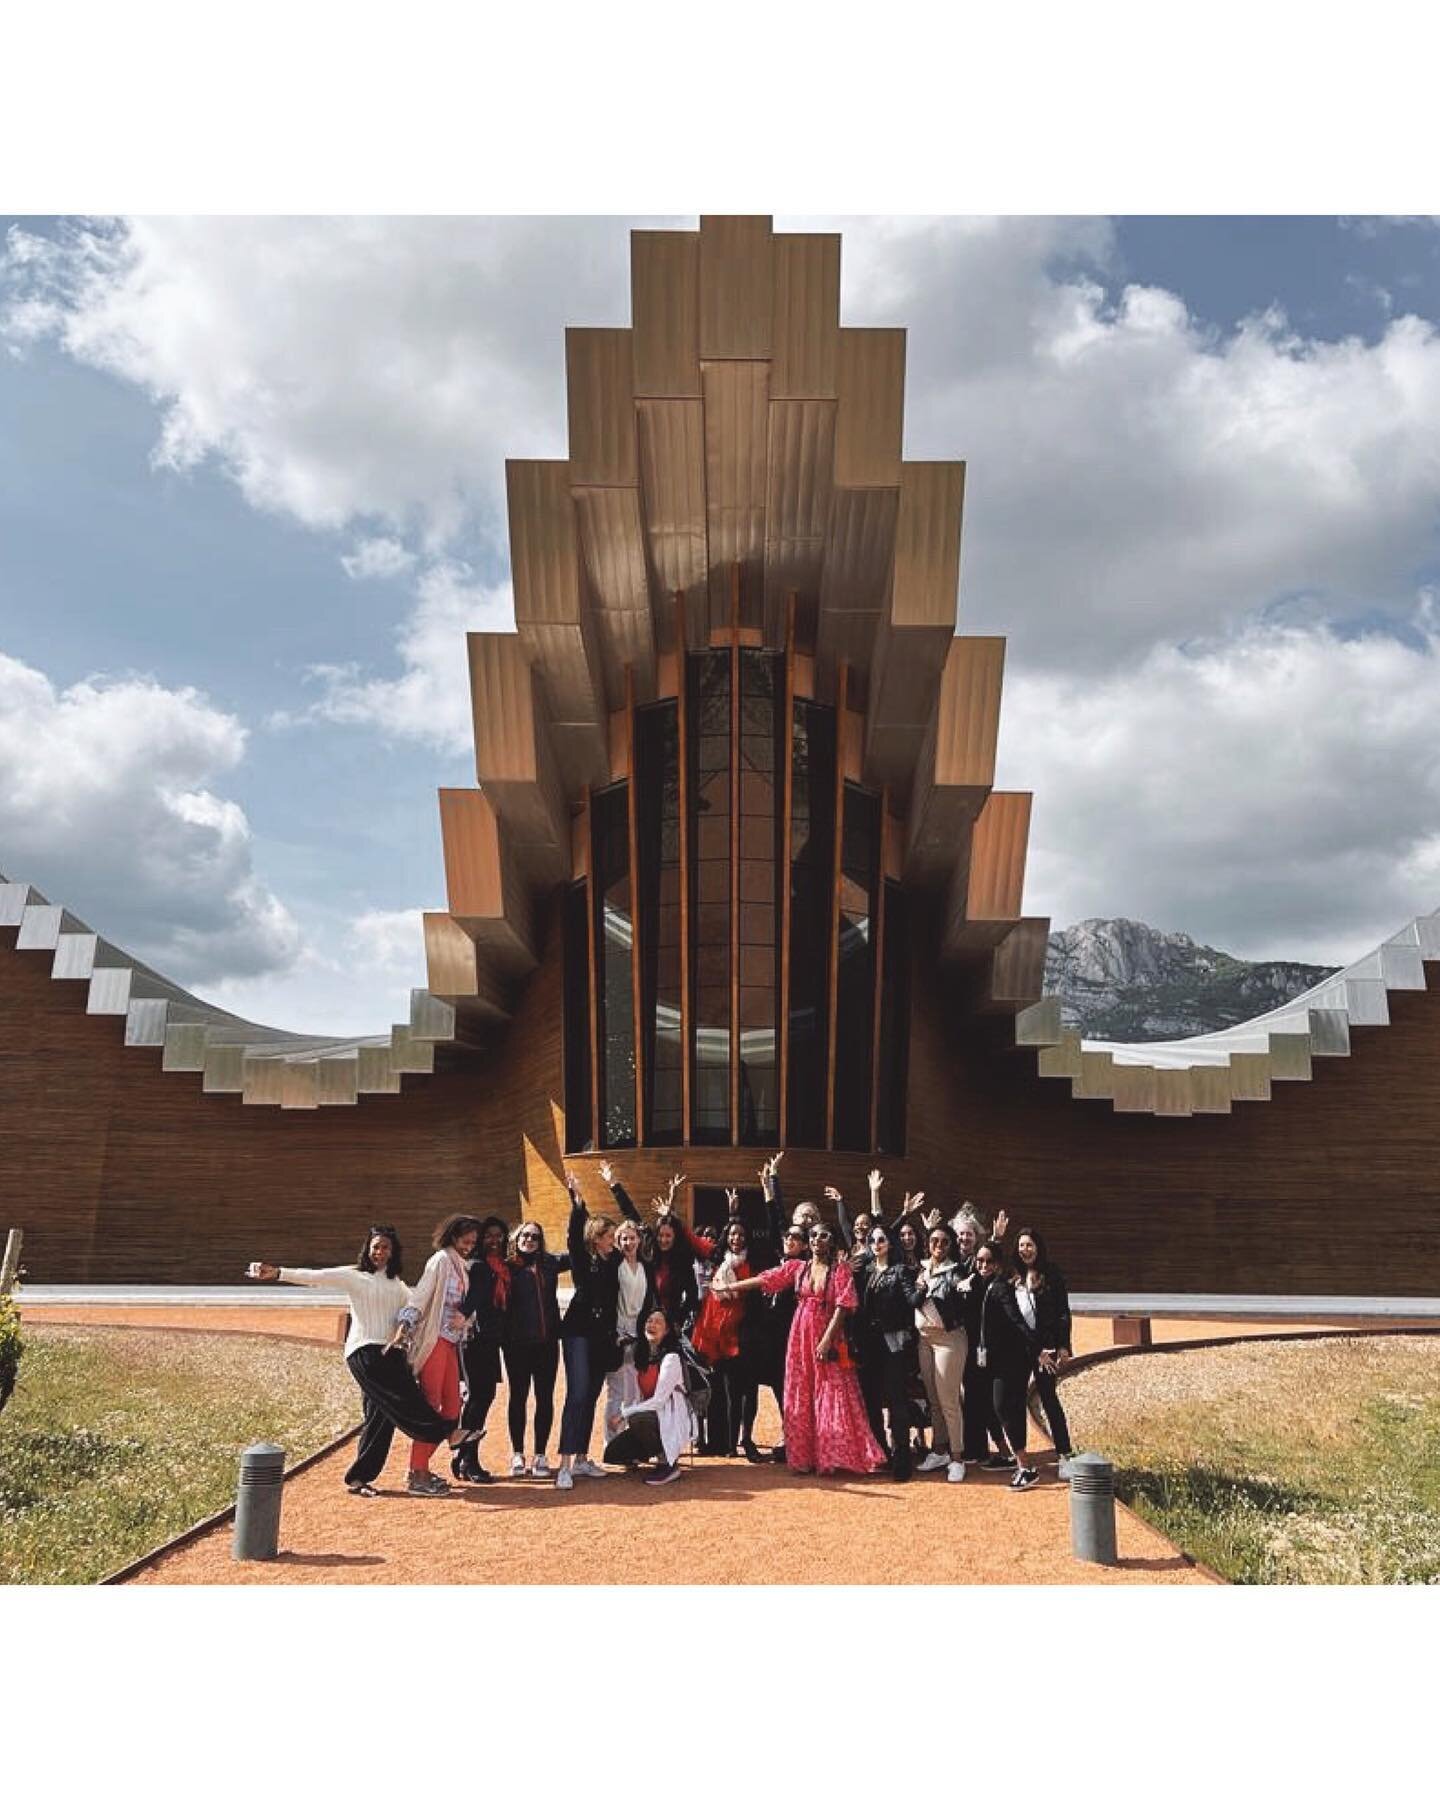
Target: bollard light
257	1503
1092	1508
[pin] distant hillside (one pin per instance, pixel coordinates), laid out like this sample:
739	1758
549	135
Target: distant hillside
1119	979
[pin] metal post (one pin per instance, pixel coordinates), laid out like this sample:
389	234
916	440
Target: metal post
1092	1508
257	1503
10	1267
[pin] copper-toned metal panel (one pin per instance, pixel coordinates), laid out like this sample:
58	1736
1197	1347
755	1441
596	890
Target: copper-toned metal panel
855	580
639	925
665	312
918	624
787	818
1017	968
997	857
800	462
956	762
600	392
842	697
683	720
612	546
552	615
736	286
1172	1093
514	761
1096	1080
806	357
1063	1059
488	895
672	479
1210	1088
736	449
871	425
1249	1075
456	971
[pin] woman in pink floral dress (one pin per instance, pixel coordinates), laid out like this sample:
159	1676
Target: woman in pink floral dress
825	1424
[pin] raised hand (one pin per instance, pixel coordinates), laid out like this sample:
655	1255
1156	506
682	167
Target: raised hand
676	1181
912	1203
263	1271
732	1200
572	1183
1002	1219
833	1193
874	1178
607	1174
660	1206
931	1219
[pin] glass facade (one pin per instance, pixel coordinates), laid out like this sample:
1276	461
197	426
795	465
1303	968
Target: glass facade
855	978
716	925
662	963
614	952
761	838
812	891
710	781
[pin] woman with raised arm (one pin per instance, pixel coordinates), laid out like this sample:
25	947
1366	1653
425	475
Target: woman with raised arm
635	1300
1009	1351
825	1424
727	1337
1051	1301
983	1436
375	1353
888	1294
673	1262
532	1342
485	1305
657	1421
941	1292
587	1333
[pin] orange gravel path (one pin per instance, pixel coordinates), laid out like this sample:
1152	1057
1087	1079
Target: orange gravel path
728	1520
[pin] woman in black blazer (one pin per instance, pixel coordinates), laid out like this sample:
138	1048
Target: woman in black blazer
1053	1304
532	1342
887	1288
587	1332
1009	1349
485	1305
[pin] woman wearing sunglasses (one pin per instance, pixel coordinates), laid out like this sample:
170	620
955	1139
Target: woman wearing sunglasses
942	1290
825	1423
888	1294
532	1343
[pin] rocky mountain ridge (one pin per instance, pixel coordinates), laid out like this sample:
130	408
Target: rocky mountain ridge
1124	980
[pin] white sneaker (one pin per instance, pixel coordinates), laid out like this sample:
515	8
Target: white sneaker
956	1472
542	1470
519	1466
584	1466
935	1460
564	1481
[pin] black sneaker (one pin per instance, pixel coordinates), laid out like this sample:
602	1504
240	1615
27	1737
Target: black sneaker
1024	1478
998	1462
665	1473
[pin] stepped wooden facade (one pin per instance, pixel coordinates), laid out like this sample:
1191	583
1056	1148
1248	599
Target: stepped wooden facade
733	876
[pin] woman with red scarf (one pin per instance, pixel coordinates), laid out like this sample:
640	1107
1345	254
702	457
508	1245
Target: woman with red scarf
486	1301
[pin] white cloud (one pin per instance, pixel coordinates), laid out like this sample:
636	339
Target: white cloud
429	702
1275	792
378	559
108	806
1133	476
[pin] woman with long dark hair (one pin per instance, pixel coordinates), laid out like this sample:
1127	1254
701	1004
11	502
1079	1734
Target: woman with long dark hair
435	1329
1051	1300
485	1304
825	1424
588	1339
940	1320
726	1336
657	1422
888	1293
532	1342
375	1290
1009	1348
672	1261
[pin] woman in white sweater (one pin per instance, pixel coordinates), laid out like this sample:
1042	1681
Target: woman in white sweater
436	1329
374	1352
657	1420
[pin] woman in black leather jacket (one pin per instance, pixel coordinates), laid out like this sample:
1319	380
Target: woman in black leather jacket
485	1305
1009	1353
1053	1329
888	1294
587	1332
532	1342
942	1294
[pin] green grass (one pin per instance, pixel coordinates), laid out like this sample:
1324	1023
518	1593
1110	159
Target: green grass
1280	1463
116	1440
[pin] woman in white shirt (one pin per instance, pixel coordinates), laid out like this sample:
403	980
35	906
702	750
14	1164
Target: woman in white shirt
374	1352
658	1421
437	1328
634	1299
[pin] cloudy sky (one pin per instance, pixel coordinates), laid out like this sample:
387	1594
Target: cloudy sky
251	496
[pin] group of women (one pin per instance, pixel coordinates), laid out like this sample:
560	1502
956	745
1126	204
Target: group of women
913	1326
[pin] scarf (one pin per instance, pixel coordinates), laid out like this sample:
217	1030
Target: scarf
500	1269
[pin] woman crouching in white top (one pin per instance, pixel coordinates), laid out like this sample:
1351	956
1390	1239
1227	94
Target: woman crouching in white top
373	1352
656	1418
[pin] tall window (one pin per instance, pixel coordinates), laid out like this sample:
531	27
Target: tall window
657	795
579	1131
708	712
614	950
855	982
812	886
894	1023
762	681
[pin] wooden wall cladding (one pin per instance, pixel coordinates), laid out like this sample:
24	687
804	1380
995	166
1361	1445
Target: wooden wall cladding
119	1171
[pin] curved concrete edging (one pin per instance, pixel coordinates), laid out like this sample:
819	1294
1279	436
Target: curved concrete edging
119	1576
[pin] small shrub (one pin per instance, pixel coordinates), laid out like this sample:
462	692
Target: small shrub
12	1346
